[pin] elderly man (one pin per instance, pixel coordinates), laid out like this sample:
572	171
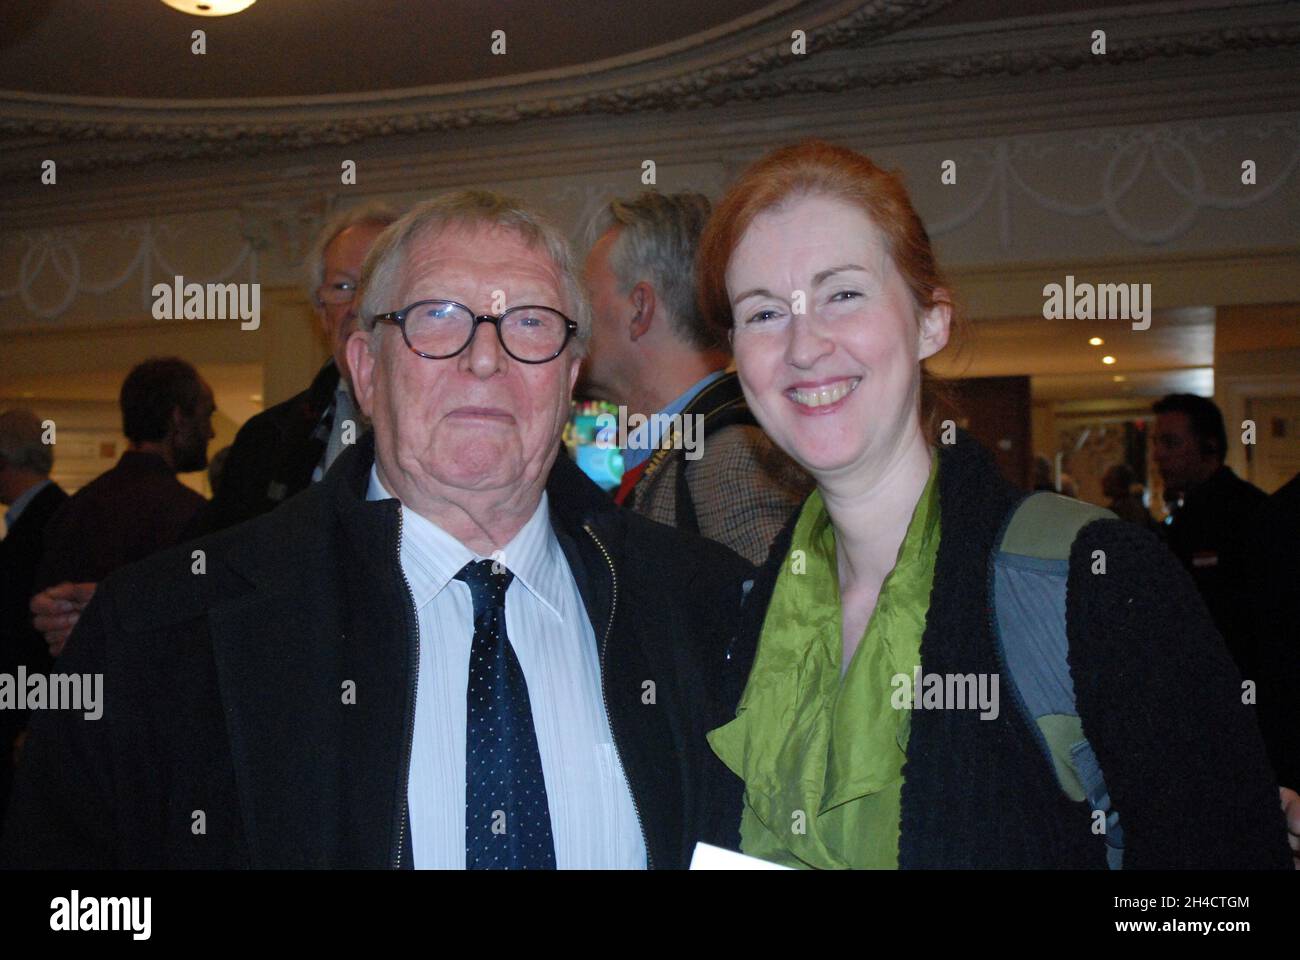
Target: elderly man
442	655
652	353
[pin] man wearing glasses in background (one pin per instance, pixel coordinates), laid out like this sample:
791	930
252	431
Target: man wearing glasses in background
289	446
454	651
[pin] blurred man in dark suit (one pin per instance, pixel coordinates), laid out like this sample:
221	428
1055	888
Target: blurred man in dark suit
138	507
1209	504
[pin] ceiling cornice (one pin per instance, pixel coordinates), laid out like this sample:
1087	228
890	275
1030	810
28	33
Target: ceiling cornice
680	75
852	46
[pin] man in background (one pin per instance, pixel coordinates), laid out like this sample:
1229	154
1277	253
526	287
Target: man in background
138	507
289	446
1209	505
652	353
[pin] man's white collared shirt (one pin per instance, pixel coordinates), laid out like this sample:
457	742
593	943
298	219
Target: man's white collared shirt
593	820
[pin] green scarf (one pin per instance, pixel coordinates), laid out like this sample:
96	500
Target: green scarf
822	759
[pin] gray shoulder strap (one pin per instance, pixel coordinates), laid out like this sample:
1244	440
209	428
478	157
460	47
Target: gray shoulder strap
1031	567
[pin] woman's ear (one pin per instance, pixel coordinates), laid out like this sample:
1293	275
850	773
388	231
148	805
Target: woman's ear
936	323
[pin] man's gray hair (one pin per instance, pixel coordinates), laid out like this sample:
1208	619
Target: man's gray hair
20	442
466	208
379	214
657	242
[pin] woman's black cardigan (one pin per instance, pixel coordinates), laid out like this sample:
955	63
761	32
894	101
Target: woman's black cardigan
1159	697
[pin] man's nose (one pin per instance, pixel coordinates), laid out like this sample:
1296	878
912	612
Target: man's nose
485	354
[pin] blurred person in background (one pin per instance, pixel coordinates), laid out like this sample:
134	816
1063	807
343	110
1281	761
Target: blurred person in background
652	353
1208	507
1124	495
138	507
32	498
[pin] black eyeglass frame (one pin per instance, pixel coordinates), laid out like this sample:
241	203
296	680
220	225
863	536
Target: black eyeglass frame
398	318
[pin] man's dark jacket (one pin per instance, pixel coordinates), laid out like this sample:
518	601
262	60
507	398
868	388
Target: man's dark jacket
123	515
225	690
1205	533
1157	693
274	454
20	551
1271	610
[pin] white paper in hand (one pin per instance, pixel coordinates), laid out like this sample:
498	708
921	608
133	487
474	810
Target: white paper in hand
709	857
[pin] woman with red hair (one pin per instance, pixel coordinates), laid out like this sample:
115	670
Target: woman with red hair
848	745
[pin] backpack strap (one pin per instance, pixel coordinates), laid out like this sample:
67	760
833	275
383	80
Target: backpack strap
1030	570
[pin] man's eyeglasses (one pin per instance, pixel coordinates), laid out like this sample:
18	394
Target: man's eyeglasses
336	293
439	329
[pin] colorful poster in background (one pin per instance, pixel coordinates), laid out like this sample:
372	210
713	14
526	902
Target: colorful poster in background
594	450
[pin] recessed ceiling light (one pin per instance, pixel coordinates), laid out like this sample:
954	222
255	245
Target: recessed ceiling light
1096	341
1108	359
210	8
255	397
1119	378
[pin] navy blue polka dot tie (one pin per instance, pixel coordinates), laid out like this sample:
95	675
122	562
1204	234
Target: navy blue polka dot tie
507	819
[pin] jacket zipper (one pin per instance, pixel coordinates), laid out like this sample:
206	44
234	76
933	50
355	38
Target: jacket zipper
604	693
414	687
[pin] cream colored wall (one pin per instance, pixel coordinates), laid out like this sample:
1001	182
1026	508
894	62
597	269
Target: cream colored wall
1256	355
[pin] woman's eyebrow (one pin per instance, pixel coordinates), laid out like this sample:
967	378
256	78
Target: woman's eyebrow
819	278
756	292
825	275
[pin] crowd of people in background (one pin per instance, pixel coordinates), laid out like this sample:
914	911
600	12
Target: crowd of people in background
815	445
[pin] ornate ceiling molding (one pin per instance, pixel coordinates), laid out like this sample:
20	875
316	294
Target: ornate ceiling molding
747	62
1026	187
662	78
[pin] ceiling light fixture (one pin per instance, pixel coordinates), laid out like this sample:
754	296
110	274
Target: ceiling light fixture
210	8
1108	359
1096	341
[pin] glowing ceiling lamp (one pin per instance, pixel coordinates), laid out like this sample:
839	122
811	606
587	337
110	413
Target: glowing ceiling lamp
210	8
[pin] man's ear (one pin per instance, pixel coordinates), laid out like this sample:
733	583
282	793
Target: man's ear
936	324
362	364
575	367
643	300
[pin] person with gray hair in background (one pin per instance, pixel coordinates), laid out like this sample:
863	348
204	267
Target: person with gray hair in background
26	460
452	652
653	354
289	446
